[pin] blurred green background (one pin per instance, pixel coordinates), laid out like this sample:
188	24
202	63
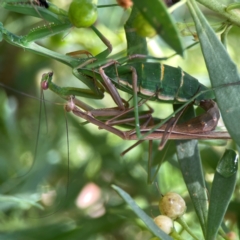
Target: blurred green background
45	197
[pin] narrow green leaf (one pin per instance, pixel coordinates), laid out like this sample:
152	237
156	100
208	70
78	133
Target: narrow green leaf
191	167
222	189
141	214
11	201
222	71
135	43
156	13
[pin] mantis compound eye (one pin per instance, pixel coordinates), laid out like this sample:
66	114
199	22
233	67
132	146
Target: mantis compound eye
50	74
44	85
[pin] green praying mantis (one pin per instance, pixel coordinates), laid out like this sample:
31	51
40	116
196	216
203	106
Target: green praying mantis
147	80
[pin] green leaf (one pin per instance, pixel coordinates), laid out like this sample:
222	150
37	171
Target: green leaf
228	165
141	214
8	202
222	189
156	13
222	71
55	14
135	43
191	167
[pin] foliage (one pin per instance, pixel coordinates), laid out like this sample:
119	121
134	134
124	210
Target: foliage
42	195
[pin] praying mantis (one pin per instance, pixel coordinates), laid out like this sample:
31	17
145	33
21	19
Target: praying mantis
151	81
90	117
180	131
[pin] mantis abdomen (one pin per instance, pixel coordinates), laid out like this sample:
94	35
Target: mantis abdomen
163	82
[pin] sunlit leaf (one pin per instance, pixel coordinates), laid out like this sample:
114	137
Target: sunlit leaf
156	13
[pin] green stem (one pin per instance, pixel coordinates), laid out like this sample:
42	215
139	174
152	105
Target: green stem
223	234
181	221
107	5
224	35
175	235
220	8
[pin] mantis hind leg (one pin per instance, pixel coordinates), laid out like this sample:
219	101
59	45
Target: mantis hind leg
106	52
112	90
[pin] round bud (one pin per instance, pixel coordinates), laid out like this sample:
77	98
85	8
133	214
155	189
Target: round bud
165	223
172	205
143	27
82	13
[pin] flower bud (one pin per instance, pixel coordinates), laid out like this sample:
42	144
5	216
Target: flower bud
172	205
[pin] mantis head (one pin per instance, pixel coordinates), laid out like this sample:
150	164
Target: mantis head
46	79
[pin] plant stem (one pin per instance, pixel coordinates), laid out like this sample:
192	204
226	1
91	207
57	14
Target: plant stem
220	8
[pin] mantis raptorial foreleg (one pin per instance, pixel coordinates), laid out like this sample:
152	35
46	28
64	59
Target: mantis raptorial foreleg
107	112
